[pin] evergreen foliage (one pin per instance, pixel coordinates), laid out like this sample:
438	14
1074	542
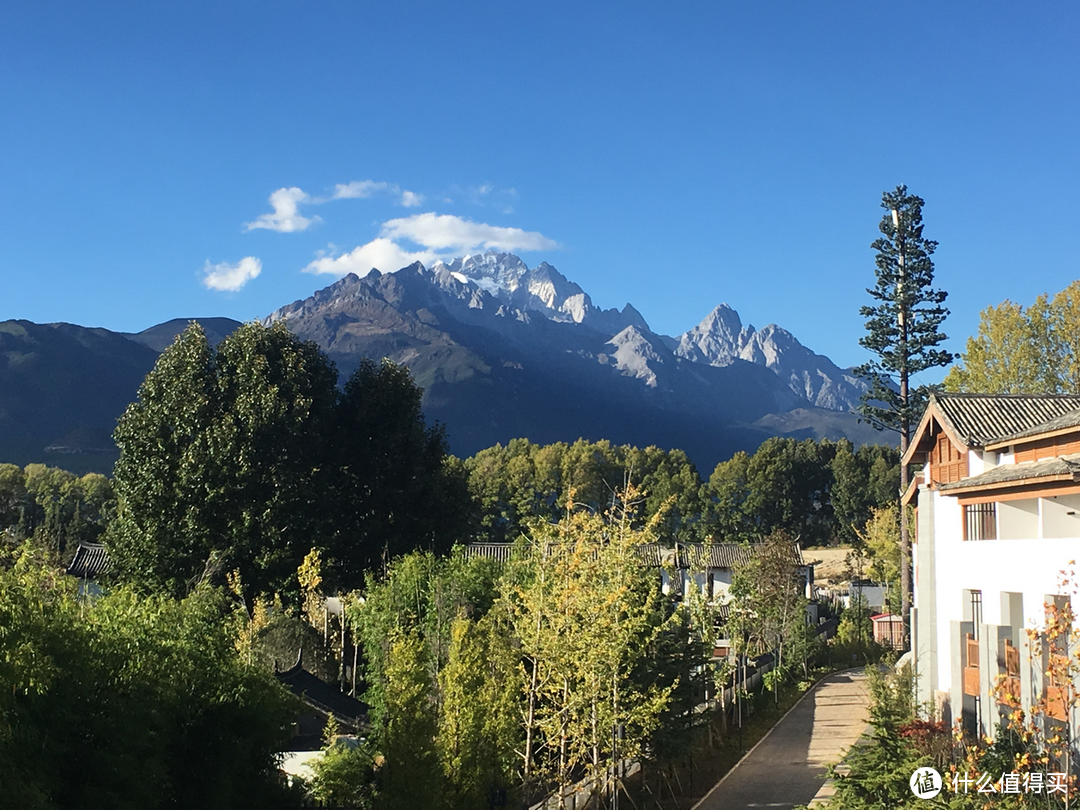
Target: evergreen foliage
396	487
815	491
54	507
903	325
522	482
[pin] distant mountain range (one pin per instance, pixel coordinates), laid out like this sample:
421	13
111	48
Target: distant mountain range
501	350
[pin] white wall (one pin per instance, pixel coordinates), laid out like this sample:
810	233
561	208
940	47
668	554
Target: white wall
1061	516
1018	519
1026	565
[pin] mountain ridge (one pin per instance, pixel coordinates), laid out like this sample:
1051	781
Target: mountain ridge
501	350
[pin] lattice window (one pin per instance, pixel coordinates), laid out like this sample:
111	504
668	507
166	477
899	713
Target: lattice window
980	521
948	463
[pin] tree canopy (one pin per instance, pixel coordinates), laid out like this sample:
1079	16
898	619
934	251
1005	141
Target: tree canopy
814	491
55	508
130	702
523	481
903	326
1023	350
246	458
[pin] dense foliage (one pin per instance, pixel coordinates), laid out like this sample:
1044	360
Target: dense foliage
491	680
246	457
54	507
523	481
128	702
1024	350
816	492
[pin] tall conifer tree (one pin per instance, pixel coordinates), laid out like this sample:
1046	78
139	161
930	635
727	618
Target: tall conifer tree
903	331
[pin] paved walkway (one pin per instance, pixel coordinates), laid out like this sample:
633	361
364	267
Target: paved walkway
788	766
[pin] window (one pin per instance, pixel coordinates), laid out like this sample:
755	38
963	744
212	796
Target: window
980	521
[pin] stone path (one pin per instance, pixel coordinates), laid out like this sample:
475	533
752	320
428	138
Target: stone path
787	767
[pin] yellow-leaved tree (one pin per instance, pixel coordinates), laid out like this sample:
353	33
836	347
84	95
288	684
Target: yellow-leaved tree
1024	350
586	612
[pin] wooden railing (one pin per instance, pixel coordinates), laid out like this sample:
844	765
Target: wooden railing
1010	684
1057	695
971	666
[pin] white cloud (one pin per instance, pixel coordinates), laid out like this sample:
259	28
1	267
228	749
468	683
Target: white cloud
448	232
440	237
286	217
231	277
359	188
381	254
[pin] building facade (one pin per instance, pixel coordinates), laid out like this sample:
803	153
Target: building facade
997	507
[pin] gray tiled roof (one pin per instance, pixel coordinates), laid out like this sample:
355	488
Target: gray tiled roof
1063	422
1010	473
651	555
324	697
980	419
724	555
90	561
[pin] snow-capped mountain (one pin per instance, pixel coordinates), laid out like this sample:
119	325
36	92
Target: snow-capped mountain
721	339
718	340
503	350
542	289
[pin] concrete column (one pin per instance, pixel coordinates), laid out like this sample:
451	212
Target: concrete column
925	635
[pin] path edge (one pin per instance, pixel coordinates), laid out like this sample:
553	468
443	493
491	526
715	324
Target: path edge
776	725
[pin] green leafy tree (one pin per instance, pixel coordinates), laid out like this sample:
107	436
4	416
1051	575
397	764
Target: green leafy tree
769	606
478	734
420	593
584	611
811	490
863	480
54	507
396	487
522	482
222	461
1024	350
904	333
411	776
119	702
345	775
879	542
169	492
276	406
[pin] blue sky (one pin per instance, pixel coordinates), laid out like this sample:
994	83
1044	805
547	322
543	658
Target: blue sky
676	157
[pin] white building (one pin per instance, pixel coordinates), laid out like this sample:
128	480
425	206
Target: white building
997	520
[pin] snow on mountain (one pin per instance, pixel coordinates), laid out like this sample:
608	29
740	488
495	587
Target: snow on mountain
504	286
721	338
542	289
